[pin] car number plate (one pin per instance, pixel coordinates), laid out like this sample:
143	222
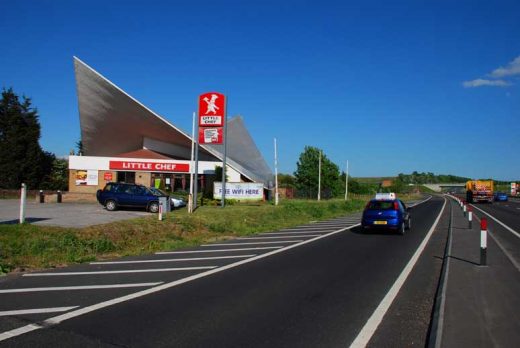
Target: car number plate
379	222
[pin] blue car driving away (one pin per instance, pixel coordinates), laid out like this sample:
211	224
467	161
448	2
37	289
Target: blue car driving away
385	211
500	197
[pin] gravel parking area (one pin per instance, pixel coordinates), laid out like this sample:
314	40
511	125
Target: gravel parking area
63	214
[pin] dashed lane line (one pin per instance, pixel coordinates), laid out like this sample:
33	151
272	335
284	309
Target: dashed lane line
83	287
172	260
36	311
119	271
215	250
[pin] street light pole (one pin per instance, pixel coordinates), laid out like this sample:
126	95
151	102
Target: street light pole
346	183
319	177
275	173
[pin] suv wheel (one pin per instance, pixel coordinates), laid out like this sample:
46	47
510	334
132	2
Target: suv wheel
153	207
111	205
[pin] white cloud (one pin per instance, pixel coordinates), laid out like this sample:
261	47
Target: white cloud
513	68
483	82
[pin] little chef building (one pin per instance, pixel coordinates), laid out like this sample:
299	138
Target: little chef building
124	141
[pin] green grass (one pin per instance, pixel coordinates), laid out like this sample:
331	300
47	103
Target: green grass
28	247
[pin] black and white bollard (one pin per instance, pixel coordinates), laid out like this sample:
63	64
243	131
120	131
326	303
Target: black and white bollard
58	196
464	209
42	197
483	241
470	218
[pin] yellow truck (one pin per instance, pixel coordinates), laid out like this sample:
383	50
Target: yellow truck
479	191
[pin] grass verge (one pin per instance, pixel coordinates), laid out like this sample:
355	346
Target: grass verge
29	247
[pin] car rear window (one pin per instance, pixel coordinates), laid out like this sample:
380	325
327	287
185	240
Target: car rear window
381	205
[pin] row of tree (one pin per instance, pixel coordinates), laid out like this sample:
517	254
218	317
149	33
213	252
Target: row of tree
22	160
430	178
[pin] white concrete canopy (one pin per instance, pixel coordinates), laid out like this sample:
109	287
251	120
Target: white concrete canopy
112	122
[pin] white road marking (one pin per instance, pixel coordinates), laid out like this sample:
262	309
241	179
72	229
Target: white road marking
316	228
60	318
172	260
85	287
214	251
375	319
36	311
118	272
288	233
279	237
253	243
504	250
20	331
500	222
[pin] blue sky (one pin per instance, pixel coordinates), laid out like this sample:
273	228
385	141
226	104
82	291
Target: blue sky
391	86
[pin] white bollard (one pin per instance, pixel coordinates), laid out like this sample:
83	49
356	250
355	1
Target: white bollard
23	199
160	212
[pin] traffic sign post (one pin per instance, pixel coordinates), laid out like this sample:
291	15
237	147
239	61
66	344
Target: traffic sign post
211	129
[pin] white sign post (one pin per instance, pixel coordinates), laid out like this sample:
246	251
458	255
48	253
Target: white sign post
23	199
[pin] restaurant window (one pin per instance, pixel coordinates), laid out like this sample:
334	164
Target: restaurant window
128	177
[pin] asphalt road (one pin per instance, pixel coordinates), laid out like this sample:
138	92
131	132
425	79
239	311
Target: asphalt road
316	285
508	214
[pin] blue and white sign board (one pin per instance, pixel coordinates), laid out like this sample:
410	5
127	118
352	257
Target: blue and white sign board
240	190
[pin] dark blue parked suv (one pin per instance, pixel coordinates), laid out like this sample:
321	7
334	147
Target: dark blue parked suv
386	212
116	195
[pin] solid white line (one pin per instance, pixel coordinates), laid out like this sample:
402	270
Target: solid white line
267	237
118	272
214	251
375	319
278	242
172	260
85	287
500	222
20	331
36	311
60	318
504	250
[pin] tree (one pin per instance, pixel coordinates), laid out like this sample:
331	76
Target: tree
58	178
306	173
22	160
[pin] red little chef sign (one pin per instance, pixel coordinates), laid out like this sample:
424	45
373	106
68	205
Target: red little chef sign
108	176
150	166
212	109
210	135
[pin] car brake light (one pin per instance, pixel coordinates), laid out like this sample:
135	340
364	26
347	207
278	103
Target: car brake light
396	206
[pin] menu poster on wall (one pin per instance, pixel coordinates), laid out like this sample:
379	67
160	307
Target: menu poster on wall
87	178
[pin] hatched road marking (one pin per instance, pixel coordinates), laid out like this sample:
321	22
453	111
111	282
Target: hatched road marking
231	244
213	251
36	311
85	287
172	260
118	272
